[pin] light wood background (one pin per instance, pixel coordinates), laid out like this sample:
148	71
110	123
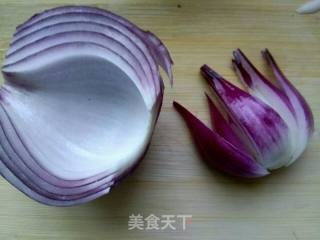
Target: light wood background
172	179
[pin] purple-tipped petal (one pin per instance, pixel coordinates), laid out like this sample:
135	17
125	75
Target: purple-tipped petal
303	113
221	126
251	77
265	129
292	93
217	151
259	86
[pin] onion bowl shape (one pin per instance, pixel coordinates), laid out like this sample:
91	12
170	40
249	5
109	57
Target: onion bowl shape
81	98
258	131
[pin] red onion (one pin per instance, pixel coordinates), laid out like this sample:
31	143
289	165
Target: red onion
81	97
265	129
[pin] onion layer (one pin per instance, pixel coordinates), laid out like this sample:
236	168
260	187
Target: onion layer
266	128
81	97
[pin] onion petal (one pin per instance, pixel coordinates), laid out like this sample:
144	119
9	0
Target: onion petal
217	151
223	127
302	110
269	142
271	124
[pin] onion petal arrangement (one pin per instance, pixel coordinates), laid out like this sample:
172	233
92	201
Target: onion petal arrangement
81	98
253	132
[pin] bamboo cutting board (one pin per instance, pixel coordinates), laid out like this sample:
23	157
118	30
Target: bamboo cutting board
172	179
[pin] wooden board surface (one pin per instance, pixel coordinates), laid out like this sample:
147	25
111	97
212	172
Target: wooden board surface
172	179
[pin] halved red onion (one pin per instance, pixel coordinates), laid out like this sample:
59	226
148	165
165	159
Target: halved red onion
79	103
265	129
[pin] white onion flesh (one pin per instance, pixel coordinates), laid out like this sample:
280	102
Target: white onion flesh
79	104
